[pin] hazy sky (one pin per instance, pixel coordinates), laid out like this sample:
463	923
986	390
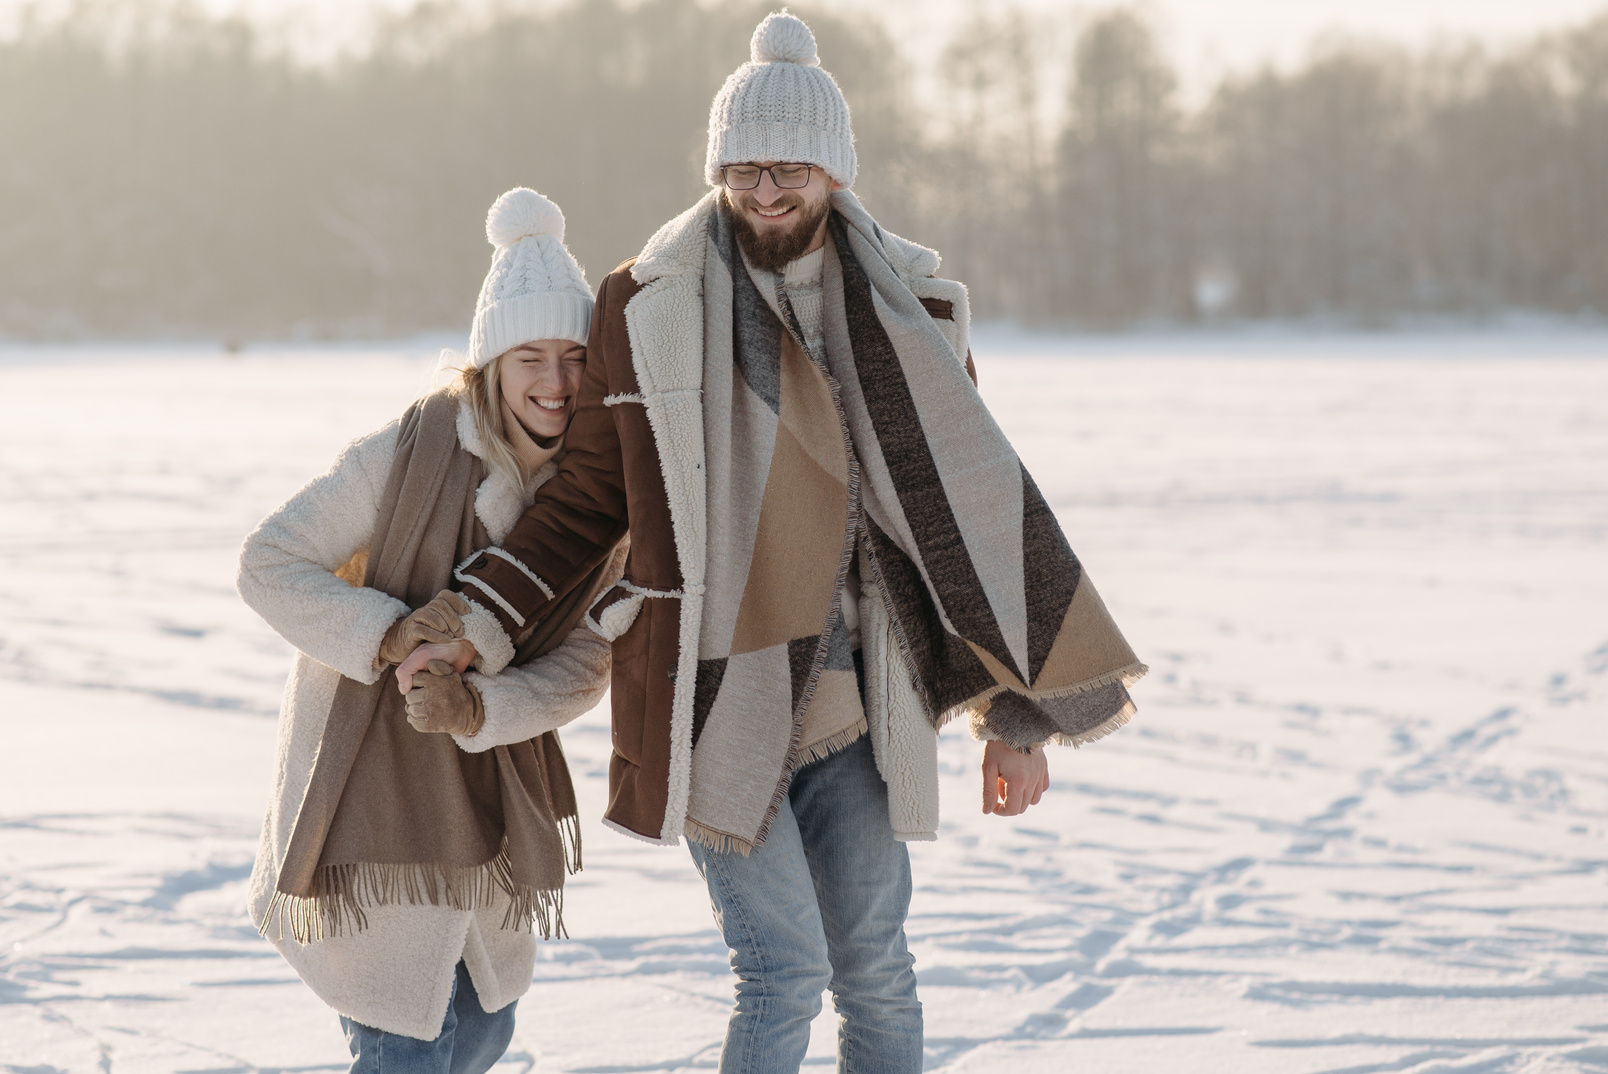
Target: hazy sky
1207	37
1204	36
1234	33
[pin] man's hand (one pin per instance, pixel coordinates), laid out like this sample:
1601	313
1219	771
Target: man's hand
459	654
439	621
1013	780
442	703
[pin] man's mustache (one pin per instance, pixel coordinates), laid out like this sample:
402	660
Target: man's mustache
787	201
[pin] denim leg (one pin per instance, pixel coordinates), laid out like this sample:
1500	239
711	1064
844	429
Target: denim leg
862	886
765	908
822	903
374	1051
481	1037
470	1042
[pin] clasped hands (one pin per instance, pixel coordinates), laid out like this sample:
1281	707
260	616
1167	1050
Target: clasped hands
430	641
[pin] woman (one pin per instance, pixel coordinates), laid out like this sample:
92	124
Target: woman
416	838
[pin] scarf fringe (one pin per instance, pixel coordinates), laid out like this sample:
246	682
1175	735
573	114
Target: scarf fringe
1127	676
341	893
832	743
569	833
718	841
1083	738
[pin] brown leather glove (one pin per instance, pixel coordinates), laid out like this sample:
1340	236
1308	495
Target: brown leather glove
442	703
439	621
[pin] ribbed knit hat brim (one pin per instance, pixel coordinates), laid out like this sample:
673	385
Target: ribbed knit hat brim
747	142
513	322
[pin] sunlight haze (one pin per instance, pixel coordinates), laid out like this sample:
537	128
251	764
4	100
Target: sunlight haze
1210	33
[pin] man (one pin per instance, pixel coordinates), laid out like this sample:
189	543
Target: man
833	550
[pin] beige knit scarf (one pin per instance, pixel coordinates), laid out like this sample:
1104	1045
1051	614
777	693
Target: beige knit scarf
393	816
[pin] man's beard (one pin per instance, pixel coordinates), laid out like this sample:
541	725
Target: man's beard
771	252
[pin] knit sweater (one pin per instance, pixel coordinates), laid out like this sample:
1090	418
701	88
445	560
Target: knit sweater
801	279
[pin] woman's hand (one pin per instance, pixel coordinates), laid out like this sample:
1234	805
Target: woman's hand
1013	780
457	653
442	703
439	621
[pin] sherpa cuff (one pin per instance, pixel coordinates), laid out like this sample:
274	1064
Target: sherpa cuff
482	630
491	733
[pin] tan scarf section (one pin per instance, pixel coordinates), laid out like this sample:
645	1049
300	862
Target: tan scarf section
393	816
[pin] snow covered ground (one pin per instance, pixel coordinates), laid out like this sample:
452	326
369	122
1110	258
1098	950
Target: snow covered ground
1358	825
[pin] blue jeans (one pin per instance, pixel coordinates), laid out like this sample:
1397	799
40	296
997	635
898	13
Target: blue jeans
470	1042
820	904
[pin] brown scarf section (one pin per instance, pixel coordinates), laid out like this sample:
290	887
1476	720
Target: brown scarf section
393	816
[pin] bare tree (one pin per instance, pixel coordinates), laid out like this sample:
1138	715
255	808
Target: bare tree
991	161
1310	174
1120	253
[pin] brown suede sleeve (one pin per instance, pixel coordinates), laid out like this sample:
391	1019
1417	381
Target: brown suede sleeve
580	513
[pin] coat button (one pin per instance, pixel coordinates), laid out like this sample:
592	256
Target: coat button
480	564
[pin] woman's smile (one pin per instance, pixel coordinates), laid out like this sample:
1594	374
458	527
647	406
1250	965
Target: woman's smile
540	380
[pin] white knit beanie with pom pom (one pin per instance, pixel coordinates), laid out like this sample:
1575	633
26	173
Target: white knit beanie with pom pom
535	289
781	106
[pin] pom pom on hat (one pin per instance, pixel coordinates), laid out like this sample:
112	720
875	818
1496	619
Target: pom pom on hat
522	213
783	38
535	289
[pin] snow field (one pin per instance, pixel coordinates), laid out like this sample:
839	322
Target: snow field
1358	824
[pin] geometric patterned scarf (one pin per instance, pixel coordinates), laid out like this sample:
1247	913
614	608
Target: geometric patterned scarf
886	447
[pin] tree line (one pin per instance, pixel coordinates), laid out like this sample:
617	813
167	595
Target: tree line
166	172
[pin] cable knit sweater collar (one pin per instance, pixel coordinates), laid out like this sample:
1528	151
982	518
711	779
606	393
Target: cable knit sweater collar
804	271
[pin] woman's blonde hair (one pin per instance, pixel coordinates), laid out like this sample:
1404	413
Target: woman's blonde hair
482	389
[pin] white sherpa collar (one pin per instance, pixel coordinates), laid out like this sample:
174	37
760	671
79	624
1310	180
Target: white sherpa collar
498	501
678	246
469	432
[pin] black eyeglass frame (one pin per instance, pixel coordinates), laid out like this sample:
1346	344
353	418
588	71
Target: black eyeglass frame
809	169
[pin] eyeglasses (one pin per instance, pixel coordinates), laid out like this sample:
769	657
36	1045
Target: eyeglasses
785	176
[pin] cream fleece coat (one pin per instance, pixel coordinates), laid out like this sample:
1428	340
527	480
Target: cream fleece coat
397	973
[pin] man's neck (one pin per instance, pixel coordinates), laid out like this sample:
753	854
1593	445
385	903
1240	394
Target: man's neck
820	237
